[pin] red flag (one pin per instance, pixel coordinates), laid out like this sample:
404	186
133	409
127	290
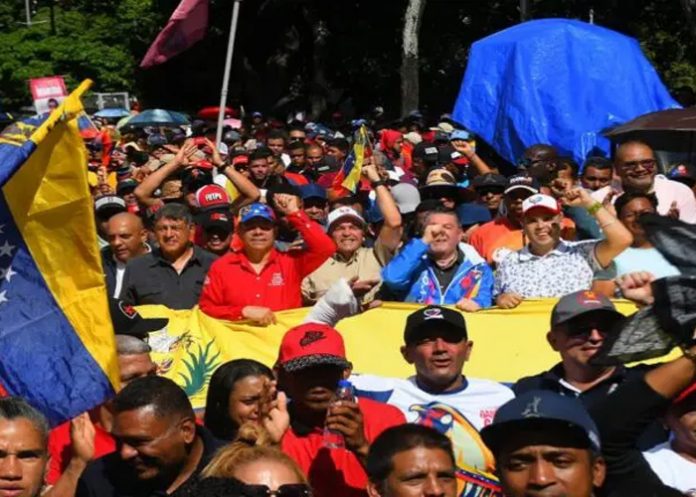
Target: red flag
186	26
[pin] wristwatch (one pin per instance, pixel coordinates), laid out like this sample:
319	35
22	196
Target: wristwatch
375	184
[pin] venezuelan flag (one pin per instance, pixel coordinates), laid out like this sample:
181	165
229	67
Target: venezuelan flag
56	338
349	175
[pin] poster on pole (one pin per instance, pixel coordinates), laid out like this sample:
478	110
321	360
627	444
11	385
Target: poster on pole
47	92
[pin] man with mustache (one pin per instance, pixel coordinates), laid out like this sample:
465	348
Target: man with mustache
549	266
159	446
636	166
255	280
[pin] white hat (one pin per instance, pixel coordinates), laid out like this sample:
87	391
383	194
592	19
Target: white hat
342	212
541	201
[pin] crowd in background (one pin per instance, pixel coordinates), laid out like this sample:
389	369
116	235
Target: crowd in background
269	220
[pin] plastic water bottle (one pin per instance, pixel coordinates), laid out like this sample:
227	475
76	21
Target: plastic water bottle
334	439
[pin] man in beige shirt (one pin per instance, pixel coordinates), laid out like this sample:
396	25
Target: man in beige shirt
347	229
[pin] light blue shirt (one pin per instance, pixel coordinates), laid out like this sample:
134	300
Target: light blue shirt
644	259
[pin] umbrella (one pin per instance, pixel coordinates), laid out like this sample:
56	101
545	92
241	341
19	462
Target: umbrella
671	134
112	113
157	117
211	113
664	120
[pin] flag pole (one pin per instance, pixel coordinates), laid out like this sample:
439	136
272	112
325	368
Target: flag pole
226	74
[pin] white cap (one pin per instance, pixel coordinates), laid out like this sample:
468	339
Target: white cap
541	201
340	213
109	201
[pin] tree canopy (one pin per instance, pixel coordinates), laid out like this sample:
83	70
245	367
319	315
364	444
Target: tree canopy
301	54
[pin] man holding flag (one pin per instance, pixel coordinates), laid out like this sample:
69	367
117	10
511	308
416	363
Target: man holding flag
53	301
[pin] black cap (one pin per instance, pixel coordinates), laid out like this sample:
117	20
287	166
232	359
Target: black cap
217	219
489	180
447	154
578	303
430	317
127	321
427	151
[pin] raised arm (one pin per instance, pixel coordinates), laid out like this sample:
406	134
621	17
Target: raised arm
617	237
145	191
392	229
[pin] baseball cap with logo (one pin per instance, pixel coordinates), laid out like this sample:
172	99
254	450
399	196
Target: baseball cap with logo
427	151
257	209
560	420
541	202
127	321
311	344
211	197
342	213
522	181
433	316
219	220
489	180
578	303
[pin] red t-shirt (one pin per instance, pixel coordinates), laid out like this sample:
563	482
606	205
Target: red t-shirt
60	449
338	472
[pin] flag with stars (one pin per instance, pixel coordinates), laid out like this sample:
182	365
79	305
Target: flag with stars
56	336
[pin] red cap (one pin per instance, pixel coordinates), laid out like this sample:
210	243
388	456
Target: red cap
311	344
211	197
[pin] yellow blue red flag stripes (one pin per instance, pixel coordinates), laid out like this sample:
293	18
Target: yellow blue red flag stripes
56	336
348	176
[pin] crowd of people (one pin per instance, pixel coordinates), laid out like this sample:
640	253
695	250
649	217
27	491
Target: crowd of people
265	221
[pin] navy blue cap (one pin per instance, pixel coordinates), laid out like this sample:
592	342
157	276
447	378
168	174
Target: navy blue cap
472	213
312	190
547	412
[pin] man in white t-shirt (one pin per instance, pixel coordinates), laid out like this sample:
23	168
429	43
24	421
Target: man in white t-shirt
636	167
440	396
675	461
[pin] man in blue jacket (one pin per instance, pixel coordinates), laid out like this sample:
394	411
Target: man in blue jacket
433	270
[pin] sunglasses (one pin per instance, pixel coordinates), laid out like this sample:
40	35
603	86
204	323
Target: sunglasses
288	490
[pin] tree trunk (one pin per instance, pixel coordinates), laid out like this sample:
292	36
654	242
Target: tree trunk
689	8
409	56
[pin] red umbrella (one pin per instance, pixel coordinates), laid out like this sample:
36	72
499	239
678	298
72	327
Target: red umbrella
211	113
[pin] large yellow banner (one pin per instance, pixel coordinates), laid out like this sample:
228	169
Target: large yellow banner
508	344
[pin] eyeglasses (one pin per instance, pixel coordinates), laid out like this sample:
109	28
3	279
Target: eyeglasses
288	490
648	164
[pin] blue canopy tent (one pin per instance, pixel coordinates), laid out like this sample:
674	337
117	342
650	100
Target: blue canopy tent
556	81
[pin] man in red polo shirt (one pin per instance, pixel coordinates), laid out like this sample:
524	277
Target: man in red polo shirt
311	361
252	282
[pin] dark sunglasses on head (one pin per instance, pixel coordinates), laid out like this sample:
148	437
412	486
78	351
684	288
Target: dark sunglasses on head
288	490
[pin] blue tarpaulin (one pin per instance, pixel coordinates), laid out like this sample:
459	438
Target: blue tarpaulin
556	81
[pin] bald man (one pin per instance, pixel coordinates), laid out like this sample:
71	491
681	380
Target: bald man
127	240
637	169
